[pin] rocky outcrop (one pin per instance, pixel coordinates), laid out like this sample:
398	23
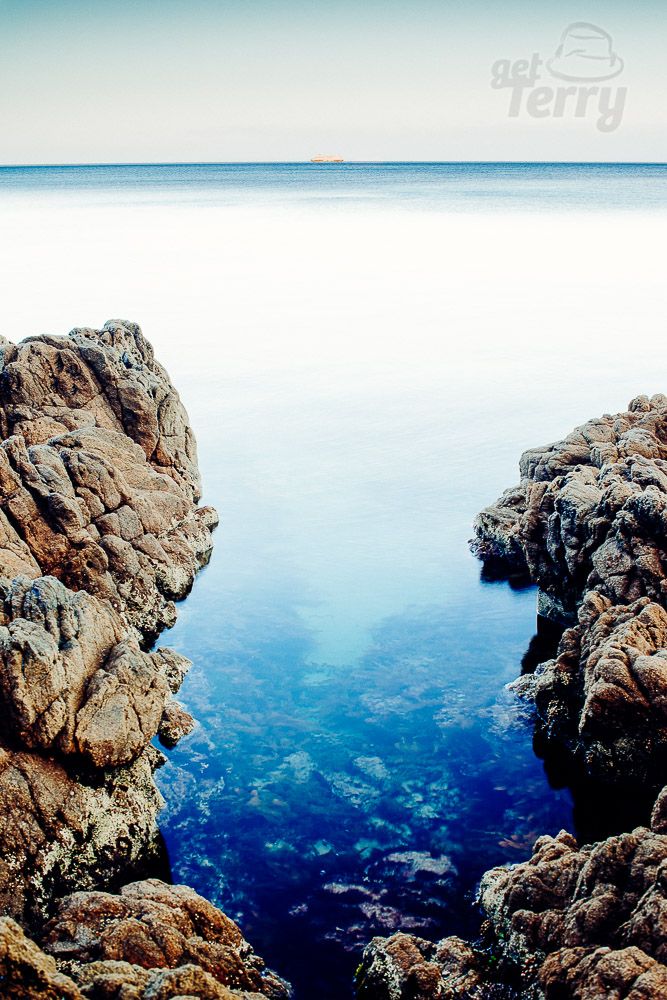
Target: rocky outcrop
100	533
149	927
98	473
588	524
572	923
599	913
405	966
151	942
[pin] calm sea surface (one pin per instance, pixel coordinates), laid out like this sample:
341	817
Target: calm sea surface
364	351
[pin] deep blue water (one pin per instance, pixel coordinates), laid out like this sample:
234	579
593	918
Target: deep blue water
364	351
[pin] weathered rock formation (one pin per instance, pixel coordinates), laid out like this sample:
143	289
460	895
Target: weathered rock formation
100	533
588	525
404	966
150	942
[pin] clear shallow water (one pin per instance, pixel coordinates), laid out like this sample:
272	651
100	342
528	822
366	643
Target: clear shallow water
364	352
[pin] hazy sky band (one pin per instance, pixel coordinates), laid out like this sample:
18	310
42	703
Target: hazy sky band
170	81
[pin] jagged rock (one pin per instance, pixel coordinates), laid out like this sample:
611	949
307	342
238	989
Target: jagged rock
605	694
99	534
571	923
175	724
596	910
26	973
405	967
103	939
588	523
172	944
587	508
591	974
73	678
58	832
98	473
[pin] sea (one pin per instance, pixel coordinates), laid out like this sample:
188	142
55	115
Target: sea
364	350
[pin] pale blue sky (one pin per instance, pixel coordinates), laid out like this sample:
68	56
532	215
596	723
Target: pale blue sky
213	80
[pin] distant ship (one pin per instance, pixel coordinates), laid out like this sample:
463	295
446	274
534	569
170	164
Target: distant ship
321	158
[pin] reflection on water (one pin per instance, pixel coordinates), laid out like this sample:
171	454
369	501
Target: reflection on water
364	352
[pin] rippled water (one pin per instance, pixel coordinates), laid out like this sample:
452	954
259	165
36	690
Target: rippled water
364	352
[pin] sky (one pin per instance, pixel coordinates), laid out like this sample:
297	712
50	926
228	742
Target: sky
94	81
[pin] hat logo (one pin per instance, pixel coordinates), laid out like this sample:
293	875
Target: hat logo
585	54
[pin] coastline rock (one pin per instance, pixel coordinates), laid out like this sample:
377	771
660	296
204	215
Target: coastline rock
404	966
99	534
150	942
571	923
58	833
588	525
98	473
100	938
26	972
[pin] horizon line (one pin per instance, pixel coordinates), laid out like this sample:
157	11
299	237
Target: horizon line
309	163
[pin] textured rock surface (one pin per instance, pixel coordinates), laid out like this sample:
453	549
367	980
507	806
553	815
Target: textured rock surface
98	473
99	534
405	966
572	923
150	942
599	912
588	524
26	972
99	937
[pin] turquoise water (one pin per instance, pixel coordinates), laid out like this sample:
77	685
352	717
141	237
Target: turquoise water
364	350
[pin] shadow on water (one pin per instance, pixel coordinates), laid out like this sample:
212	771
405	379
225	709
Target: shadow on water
598	810
322	805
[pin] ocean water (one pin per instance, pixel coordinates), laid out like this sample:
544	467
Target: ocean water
364	350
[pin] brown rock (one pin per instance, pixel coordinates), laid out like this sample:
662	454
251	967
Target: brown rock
151	925
175	724
26	972
58	833
99	534
405	967
588	522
